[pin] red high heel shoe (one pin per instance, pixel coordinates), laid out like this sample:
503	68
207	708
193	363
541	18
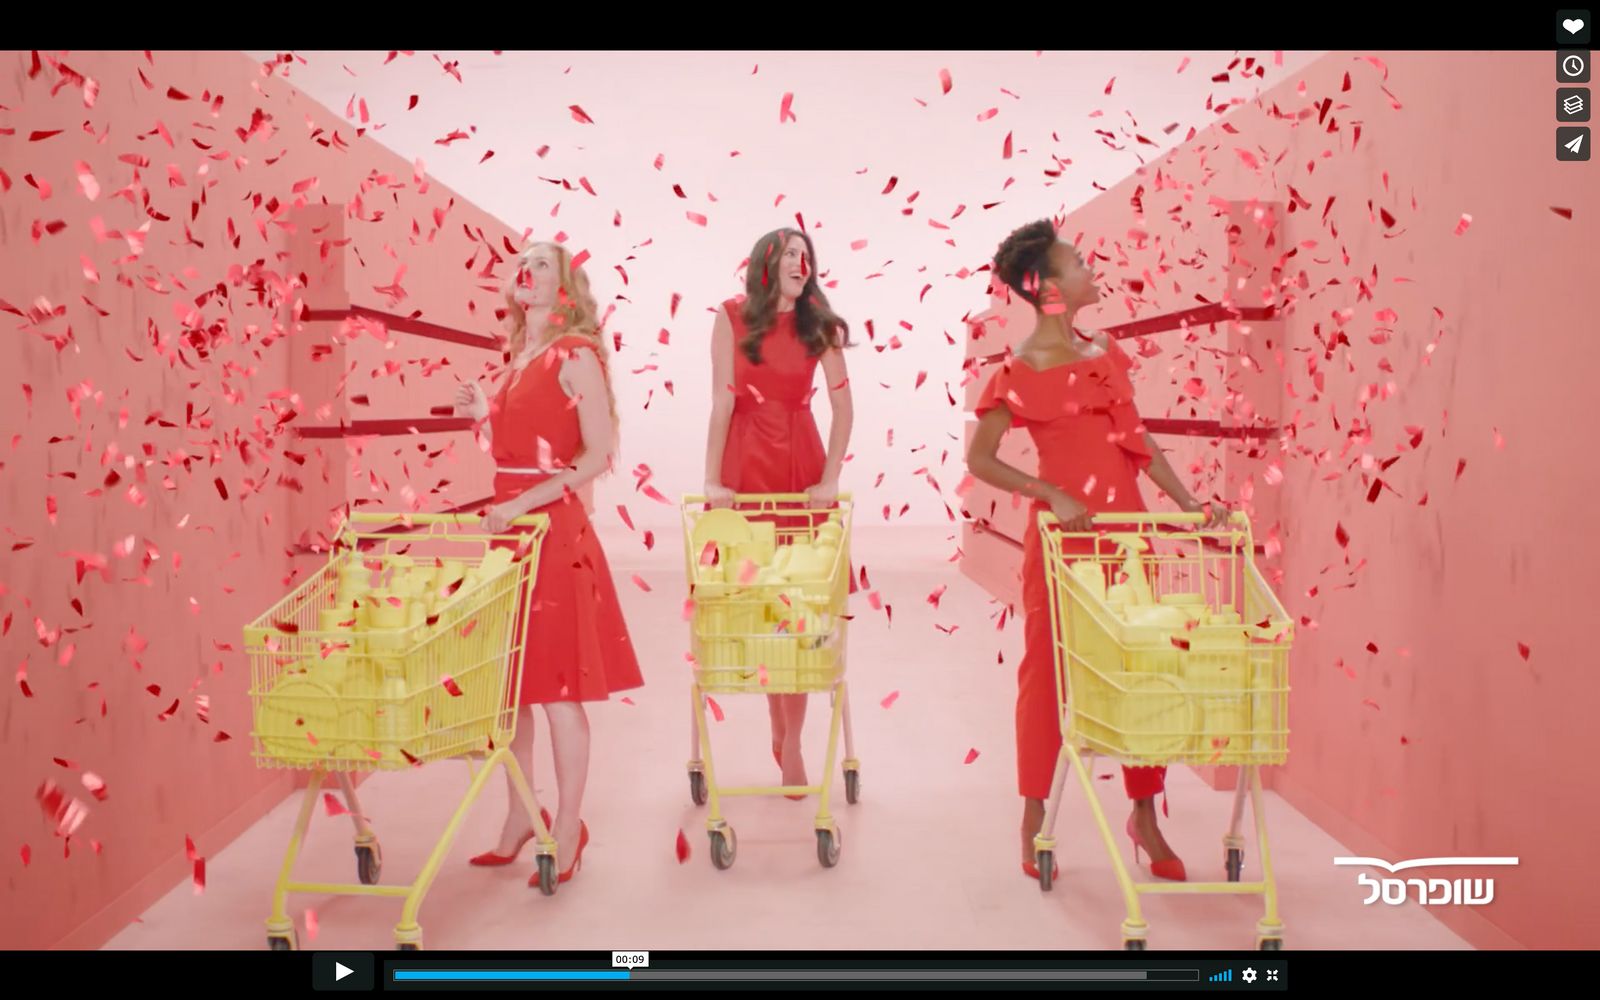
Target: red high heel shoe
494	859
1031	869
1170	869
577	862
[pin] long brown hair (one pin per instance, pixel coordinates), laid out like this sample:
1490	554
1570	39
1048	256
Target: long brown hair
575	313
819	326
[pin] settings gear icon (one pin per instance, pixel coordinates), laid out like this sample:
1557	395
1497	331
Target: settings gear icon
1249	975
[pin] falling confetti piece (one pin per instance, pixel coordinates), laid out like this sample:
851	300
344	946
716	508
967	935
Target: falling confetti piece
935	597
681	848
688	609
451	686
716	710
1464	224
893	697
466	629
945	82
333	806
786	111
627	701
696	218
1461	466
580	116
1368	702
311	924
638	581
972	755
761	672
199	876
1524	649
1565	213
95	784
27	855
1341	536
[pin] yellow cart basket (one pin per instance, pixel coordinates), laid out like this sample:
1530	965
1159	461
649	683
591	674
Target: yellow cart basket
404	649
1170	648
769	580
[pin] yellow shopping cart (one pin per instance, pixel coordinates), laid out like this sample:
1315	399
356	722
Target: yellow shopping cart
1170	648
770	582
404	649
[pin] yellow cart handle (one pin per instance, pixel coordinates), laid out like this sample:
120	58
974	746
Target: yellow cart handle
360	517
1238	517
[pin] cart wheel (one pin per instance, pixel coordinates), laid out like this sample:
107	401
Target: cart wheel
827	848
369	863
1235	863
723	849
288	943
697	787
1133	944
1271	944
1046	861
410	946
852	786
547	874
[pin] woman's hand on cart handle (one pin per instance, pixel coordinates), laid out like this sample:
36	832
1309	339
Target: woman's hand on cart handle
498	518
1073	515
1217	514
824	493
719	495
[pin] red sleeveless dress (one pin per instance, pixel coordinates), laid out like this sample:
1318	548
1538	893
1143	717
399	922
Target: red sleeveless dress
577	647
773	442
1086	430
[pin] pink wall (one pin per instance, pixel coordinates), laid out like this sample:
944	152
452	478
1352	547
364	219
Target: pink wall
165	780
1443	741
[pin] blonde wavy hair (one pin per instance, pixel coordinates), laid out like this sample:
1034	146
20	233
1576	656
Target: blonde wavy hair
575	313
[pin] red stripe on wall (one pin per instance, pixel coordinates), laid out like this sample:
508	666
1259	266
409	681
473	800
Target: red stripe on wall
384	428
404	324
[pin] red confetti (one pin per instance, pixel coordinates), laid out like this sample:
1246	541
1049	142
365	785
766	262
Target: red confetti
893	697
627	701
466	629
311	924
972	755
27	855
1369	703
222	487
199	876
688	608
333	806
451	686
786	111
696	218
681	848
95	784
1524	649
1341	536
1461	466
716	710
221	737
622	512
1565	213
945	83
580	116
1462	226
934	597
638	581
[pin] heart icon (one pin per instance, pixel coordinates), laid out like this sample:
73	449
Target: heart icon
1573	25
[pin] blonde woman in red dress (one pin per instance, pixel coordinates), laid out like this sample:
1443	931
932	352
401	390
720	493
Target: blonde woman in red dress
1071	392
766	347
553	430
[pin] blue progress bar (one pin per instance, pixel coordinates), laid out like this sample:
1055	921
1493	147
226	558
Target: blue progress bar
501	975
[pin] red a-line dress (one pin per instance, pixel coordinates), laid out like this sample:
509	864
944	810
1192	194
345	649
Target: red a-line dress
1085	428
577	647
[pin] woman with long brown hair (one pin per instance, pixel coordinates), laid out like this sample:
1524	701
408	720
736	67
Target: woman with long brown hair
553	429
766	346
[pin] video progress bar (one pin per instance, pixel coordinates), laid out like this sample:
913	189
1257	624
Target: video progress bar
797	975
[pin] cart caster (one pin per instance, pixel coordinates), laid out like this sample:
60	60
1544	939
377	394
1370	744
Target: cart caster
1046	862
852	786
697	787
1134	944
289	942
547	874
1234	863
1270	944
369	863
724	846
827	848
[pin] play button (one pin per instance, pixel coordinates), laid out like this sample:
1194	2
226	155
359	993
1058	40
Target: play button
346	971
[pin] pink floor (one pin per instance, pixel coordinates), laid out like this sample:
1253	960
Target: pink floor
929	856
